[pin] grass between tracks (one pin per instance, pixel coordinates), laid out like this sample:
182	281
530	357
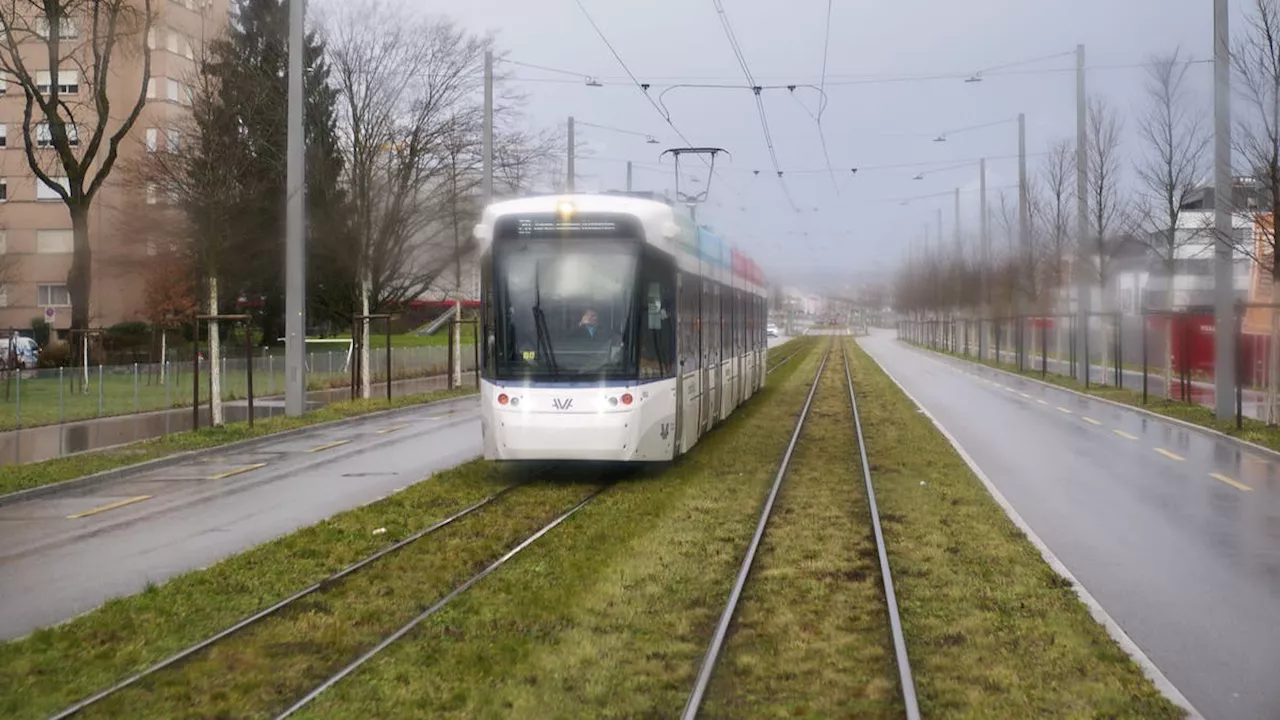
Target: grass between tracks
1254	431
810	637
992	631
22	477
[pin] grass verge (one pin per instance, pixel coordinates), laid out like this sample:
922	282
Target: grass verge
1254	431
991	630
810	636
609	615
21	477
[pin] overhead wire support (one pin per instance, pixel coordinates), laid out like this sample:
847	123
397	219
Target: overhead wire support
644	89
822	102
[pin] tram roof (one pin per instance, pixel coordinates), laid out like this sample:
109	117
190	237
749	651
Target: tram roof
666	225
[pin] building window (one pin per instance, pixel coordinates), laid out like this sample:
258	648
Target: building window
4	83
151	193
4	296
151	38
4	135
68	81
175	90
151	88
66	28
171	42
44	192
53	242
52	296
4	242
44	136
172	140
4	190
152	136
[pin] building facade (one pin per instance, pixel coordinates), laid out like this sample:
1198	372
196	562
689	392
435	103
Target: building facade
35	226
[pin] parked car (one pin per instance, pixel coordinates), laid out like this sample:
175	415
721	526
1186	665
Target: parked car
26	349
771	330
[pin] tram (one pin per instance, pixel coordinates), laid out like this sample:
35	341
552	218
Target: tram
614	328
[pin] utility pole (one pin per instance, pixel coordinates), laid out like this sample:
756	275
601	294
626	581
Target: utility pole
569	184
1024	239
985	262
628	176
1084	276
295	286
487	181
1224	348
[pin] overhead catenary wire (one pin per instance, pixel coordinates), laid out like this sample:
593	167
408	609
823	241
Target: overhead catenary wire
822	101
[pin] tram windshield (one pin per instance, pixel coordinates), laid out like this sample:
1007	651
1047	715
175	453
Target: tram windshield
565	308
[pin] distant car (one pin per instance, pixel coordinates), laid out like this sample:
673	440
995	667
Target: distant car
25	349
771	329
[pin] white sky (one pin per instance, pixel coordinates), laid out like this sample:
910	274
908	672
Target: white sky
867	124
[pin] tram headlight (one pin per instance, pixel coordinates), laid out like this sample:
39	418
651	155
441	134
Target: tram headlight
503	399
627	399
565	208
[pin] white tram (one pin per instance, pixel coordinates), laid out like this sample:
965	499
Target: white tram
614	328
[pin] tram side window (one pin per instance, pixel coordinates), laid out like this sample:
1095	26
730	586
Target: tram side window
688	321
744	322
726	321
658	317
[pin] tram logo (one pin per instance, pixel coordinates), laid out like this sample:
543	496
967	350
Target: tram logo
562	403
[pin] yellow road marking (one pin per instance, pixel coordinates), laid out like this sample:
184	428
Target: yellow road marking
1064	410
329	446
1170	455
384	431
1090	420
112	506
237	471
1237	485
1125	435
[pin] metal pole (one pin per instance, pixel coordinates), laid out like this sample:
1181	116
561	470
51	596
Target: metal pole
60	411
195	378
986	257
1024	239
248	359
475	351
99	389
1144	359
388	361
486	187
295	381
1084	285
1223	279
1240	368
569	181
168	394
628	176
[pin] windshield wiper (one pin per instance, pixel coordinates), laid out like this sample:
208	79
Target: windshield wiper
540	322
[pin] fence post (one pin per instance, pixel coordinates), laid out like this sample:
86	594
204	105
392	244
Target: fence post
1239	328
248	368
195	378
1044	347
17	437
1144	358
475	347
449	384
1119	351
136	409
61	409
168	400
1088	363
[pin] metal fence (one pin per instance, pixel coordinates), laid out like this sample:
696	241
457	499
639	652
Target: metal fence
52	412
1161	354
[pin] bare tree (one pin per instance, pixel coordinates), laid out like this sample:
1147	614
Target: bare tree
1256	65
1177	142
70	128
1105	204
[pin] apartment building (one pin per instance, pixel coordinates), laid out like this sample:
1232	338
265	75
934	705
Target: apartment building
35	227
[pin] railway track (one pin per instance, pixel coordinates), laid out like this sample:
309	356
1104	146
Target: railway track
706	670
346	573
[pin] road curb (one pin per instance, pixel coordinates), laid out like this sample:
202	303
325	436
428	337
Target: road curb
1099	614
1150	413
98	478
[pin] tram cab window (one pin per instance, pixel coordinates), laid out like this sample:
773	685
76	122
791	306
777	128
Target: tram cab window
566	309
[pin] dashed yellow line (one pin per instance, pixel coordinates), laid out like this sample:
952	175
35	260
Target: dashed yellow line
1170	455
1233	483
1062	409
1125	435
1090	420
112	506
328	446
392	429
237	471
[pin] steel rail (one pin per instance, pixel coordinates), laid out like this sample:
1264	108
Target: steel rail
905	678
252	619
722	629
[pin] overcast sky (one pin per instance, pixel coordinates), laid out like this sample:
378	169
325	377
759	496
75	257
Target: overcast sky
869	121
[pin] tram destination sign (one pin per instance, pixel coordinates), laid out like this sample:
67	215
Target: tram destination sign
556	226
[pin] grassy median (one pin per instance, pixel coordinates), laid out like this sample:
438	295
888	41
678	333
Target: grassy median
29	475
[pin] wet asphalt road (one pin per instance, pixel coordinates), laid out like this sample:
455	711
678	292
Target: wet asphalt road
54	567
1176	533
